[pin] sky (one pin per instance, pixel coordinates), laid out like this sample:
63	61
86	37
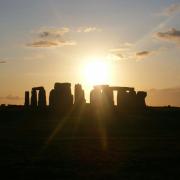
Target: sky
48	41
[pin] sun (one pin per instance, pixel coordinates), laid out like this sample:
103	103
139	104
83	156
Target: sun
96	72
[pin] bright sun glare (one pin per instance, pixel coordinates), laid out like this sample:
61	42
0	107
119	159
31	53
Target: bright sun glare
96	72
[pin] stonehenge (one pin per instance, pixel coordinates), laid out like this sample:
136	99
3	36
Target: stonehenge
61	98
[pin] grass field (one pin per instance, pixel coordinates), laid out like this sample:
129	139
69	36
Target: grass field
130	146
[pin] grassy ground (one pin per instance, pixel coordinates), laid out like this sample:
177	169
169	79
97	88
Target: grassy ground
130	146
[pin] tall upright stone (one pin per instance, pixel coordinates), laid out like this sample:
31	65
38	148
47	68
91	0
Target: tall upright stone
107	96
79	98
61	98
52	98
132	99
42	97
141	95
95	97
121	98
26	102
101	100
33	98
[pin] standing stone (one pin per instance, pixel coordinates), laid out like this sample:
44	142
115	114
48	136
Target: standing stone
42	97
33	98
141	99
26	102
61	98
79	95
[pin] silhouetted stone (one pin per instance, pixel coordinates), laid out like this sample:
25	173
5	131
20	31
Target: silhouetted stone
79	95
52	98
26	102
102	96
107	96
95	97
122	99
101	100
141	99
61	98
126	99
33	98
41	96
132	99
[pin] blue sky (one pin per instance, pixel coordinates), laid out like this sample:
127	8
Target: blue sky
43	41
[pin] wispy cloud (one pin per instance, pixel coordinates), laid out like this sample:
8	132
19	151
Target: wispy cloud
173	35
122	48
50	43
88	29
51	37
172	9
57	37
127	51
143	54
147	53
42	43
11	97
130	54
114	57
123	52
2	62
53	32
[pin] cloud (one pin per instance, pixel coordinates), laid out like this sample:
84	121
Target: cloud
50	43
173	8
43	44
53	32
51	37
114	57
123	52
173	35
120	49
11	97
130	55
143	54
88	29
2	62
57	37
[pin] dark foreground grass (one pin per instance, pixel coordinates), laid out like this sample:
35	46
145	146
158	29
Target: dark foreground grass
132	146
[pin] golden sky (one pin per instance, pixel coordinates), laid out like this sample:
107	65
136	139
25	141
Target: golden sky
124	43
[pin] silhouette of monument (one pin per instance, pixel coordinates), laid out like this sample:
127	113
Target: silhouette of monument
141	95
33	98
127	98
101	98
41	102
101	101
79	98
101	95
60	97
26	102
